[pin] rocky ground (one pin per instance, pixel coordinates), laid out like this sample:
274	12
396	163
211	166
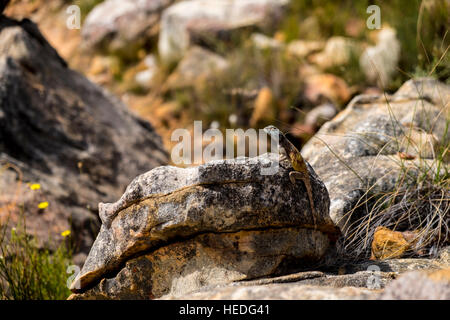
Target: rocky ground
95	109
224	231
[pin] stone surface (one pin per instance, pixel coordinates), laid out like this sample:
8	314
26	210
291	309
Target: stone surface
363	280
320	114
417	285
61	131
229	201
420	285
400	265
210	259
186	20
118	24
358	149
286	291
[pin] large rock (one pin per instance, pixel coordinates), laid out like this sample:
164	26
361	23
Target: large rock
361	149
59	130
183	21
389	244
175	230
418	285
422	279
118	24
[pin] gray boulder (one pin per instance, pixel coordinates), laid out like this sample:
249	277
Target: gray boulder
59	130
361	150
176	230
118	24
185	21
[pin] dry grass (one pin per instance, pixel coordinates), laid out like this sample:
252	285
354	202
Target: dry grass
420	201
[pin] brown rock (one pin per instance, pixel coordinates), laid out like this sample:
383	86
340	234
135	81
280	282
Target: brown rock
388	244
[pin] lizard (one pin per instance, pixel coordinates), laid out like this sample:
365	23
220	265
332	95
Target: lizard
298	163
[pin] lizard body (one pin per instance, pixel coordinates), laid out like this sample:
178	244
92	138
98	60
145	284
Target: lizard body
298	163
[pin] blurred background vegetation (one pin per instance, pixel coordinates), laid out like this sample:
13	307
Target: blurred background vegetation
296	74
420	28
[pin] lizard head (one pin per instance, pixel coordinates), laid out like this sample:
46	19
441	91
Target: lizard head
272	131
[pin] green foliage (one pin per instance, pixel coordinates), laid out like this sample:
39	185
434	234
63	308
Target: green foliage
86	6
28	272
432	38
250	69
351	71
422	28
330	16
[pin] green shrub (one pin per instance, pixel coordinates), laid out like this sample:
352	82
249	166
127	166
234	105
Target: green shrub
28	272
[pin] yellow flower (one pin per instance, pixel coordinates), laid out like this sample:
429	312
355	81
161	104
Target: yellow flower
43	205
65	233
35	186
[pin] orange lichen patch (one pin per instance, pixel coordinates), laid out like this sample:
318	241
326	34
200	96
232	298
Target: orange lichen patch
388	244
